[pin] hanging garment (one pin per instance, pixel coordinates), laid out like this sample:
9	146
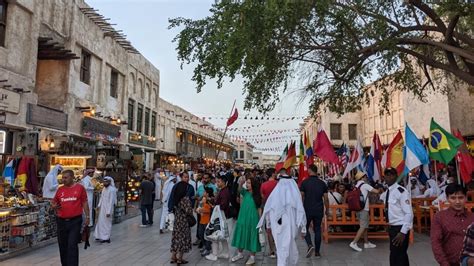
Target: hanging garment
22	173
9	173
32	179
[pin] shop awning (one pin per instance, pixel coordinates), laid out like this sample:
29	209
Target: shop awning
147	149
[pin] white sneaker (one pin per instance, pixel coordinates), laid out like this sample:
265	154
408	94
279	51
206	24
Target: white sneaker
369	245
237	257
355	247
223	256
250	261
211	257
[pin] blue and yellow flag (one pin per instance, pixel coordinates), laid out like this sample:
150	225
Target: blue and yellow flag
442	145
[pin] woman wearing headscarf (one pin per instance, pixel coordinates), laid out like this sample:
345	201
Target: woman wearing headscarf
50	184
181	237
165	196
108	198
86	182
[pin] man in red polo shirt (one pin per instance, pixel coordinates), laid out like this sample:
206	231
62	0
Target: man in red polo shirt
70	203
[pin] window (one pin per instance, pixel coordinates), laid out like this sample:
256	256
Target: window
147	121
85	67
153	124
352	131
241	155
131	108
3	21
114	83
335	131
139	117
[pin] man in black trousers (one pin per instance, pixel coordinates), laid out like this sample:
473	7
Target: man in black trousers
70	202
399	213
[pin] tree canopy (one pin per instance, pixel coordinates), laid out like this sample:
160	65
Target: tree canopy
331	48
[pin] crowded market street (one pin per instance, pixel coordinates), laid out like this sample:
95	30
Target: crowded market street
132	245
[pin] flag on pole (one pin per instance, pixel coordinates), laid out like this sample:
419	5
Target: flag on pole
282	159
393	155
443	146
342	153
374	168
309	157
414	153
323	148
233	118
291	156
464	159
303	173
355	160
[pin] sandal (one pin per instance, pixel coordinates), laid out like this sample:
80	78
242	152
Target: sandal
174	261
180	262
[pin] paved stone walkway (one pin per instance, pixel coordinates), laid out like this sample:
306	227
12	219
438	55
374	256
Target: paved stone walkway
132	245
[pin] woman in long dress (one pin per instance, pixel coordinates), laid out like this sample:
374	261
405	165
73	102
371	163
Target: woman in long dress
246	232
181	237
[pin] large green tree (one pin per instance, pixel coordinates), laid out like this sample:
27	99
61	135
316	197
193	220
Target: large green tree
330	49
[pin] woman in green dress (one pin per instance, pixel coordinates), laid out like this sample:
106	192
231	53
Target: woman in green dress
246	232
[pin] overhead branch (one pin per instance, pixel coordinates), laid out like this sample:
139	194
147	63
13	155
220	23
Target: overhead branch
429	12
431	62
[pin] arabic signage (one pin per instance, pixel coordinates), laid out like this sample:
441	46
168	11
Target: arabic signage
9	101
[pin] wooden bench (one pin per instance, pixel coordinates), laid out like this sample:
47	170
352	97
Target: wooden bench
421	214
348	218
444	205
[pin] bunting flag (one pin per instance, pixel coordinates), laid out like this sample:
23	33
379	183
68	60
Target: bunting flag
443	146
464	159
323	148
393	155
309	157
291	157
374	168
282	159
303	171
355	160
233	118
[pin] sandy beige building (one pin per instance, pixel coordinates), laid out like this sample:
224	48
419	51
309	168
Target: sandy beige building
451	112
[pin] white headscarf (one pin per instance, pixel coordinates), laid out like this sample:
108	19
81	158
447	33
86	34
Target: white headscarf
112	183
433	185
50	184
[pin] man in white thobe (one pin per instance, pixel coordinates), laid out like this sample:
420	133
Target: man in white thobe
86	182
285	215
50	183
158	181
108	198
167	188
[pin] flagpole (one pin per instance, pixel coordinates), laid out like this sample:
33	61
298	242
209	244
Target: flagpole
457	171
225	131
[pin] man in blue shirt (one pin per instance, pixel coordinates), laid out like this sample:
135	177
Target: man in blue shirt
315	200
206	182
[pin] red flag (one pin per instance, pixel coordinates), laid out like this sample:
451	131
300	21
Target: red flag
232	119
323	148
465	160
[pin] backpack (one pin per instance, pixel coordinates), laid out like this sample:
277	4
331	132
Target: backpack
355	199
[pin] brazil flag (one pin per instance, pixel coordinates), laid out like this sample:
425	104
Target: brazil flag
442	145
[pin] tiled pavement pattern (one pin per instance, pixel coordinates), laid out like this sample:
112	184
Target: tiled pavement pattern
132	245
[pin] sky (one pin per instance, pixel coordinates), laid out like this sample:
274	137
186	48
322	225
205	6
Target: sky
145	22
